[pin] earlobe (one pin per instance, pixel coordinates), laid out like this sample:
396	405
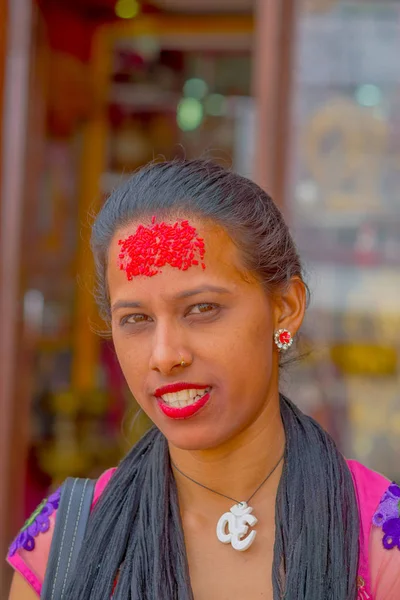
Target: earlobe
290	306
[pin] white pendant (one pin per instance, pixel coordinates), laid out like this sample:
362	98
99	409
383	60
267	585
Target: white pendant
233	526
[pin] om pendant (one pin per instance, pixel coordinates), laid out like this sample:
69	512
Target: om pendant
233	527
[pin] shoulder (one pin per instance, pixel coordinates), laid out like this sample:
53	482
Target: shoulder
384	546
387	516
369	487
379	509
102	483
29	552
365	478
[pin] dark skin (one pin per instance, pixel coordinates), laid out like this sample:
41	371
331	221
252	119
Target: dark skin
226	339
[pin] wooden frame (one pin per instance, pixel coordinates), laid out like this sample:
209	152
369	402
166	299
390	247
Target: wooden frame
14	418
275	38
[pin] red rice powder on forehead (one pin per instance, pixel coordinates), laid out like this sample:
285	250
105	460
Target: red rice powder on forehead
151	248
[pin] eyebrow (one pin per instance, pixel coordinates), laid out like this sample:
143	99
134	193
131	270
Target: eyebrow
182	295
201	290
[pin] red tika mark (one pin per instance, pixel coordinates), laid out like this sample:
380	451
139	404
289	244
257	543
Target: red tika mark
151	248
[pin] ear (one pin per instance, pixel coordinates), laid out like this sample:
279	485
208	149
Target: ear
290	305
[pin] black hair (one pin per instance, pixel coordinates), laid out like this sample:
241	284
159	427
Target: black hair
135	533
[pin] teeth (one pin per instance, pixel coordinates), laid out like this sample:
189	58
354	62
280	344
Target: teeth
194	393
184	397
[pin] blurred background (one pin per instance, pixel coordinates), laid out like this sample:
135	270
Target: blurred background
301	95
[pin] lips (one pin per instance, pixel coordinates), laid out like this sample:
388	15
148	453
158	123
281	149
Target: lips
178	387
182	400
174	412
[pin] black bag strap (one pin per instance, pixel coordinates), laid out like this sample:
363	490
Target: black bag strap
70	526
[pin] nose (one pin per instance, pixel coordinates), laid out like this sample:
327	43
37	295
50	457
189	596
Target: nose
169	350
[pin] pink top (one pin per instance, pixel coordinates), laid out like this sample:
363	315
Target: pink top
379	561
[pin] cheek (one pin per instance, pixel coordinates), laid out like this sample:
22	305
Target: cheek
257	329
132	358
251	350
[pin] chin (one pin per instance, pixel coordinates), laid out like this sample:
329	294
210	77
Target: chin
209	429
192	443
195	437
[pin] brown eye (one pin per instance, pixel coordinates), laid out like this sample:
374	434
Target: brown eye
205	307
135	319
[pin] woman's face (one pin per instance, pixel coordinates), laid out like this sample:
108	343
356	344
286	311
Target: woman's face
219	320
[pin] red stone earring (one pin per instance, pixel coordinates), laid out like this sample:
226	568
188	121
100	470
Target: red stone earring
283	339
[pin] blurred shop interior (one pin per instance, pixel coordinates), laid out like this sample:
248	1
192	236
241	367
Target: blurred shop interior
301	95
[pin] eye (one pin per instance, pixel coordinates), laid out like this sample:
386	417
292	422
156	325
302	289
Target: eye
135	319
203	308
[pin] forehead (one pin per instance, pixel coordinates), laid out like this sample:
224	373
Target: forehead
221	260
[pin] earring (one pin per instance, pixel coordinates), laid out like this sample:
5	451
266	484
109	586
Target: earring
283	339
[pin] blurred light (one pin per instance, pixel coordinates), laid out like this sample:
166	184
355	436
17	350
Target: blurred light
148	46
195	88
216	105
189	114
127	9
368	95
34	308
307	193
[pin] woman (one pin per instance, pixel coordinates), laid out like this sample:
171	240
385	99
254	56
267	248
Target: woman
234	493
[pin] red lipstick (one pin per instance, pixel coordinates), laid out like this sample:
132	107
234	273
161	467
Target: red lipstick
178	387
177	412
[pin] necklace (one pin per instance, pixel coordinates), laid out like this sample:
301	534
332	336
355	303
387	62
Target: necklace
233	526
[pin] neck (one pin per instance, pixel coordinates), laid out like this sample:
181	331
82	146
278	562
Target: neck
235	468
